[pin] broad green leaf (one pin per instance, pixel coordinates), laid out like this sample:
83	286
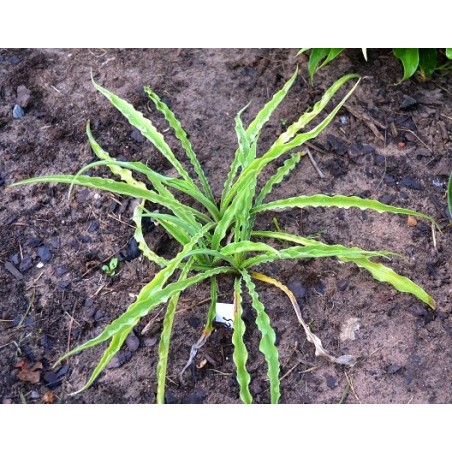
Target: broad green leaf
182	136
449	53
410	61
315	58
165	338
333	53
267	343
240	355
427	61
341	201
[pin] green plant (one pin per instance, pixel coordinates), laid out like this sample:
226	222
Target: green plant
219	237
426	60
110	268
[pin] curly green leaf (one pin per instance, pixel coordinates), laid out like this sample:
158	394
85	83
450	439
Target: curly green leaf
267	343
240	355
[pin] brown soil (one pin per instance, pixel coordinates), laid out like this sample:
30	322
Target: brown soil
404	348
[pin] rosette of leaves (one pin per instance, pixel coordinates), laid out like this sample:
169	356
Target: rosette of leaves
218	236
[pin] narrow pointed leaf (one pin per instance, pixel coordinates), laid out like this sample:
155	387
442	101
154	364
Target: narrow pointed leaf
386	274
182	136
379	271
256	125
288	166
115	344
240	355
146	128
341	201
268	338
165	338
309	252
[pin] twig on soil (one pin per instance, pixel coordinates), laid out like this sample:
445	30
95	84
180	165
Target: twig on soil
219	372
314	164
369	121
434	237
301	361
28	308
350	382
150	323
421	141
345	393
71	322
314	147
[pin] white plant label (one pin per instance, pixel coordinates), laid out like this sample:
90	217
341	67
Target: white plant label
225	314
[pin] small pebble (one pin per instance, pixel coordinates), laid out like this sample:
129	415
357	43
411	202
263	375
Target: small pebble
320	288
98	315
394	368
136	135
389	180
23	96
387	199
18	112
13	59
407	103
26	263
411	183
51	379
342	284
196	397
331	382
93	226
34	395
44	253
298	290
60	271
132	251
150	341
132	342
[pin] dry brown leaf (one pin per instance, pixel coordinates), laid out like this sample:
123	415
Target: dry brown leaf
32	373
48	397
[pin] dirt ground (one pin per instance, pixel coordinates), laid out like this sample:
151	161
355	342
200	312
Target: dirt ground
392	143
